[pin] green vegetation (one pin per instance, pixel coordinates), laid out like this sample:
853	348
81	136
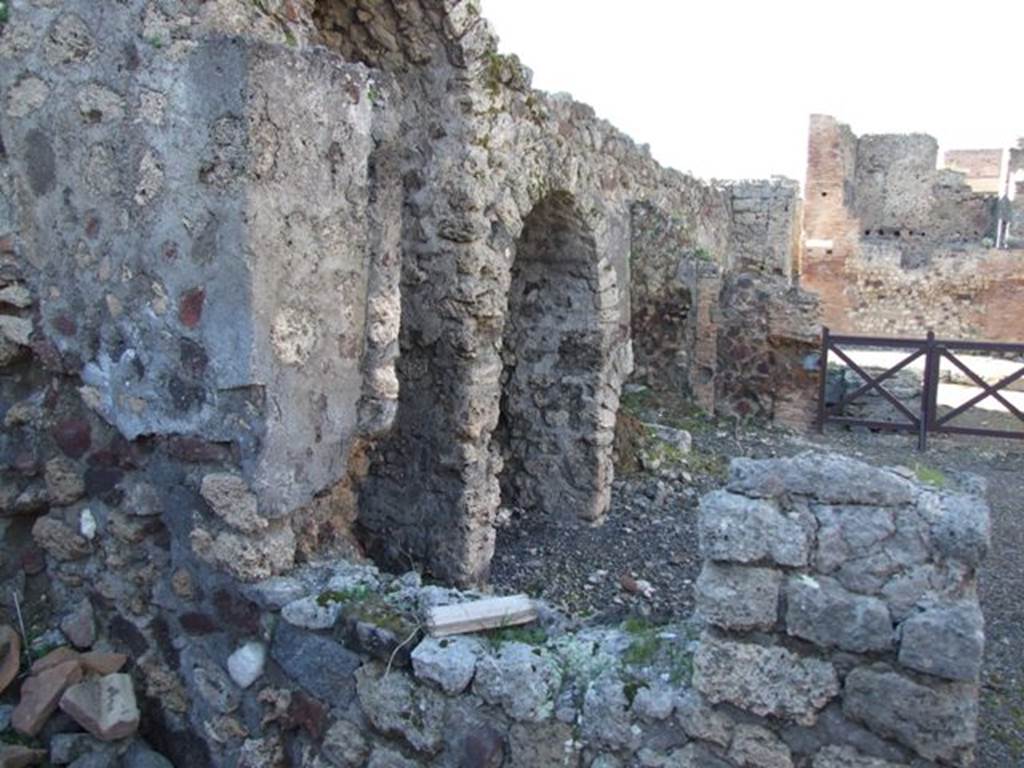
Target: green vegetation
355	594
650	646
930	476
535	636
156	41
5	12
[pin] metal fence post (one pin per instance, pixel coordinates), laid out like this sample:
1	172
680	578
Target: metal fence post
928	391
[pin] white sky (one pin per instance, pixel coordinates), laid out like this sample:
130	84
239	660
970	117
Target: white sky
724	88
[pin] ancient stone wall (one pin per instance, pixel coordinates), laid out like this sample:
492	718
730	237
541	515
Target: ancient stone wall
837	627
216	238
893	246
764	232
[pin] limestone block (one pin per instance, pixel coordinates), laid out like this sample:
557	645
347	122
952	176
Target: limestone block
738	597
820	610
248	558
946	641
308	613
449	662
738	529
231	499
939	721
765	680
518	679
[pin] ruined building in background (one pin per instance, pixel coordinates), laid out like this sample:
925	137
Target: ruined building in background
894	245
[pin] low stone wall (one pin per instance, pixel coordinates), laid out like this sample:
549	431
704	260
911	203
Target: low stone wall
842	611
837	627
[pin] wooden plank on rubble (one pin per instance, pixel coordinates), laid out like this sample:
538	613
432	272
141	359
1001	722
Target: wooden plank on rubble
489	613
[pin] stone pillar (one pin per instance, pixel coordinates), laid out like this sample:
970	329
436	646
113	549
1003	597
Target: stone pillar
705	281
842	613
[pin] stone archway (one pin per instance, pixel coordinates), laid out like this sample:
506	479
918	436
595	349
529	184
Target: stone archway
552	429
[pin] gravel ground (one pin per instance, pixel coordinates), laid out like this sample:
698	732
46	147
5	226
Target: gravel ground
644	559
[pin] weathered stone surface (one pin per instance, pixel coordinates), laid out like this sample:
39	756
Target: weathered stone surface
308	613
960	525
605	719
79	626
947	641
738	529
448	662
534	744
140	756
104	706
344	745
248	558
819	610
738	597
17	756
938	721
231	499
699	720
10	649
246	664
318	664
522	679
763	680
65	748
395	705
64	483
143	500
830	478
40	695
59	540
212	686
57	656
102	663
654	703
756	747
848	757
384	757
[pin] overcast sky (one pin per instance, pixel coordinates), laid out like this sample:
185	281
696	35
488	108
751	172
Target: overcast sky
724	88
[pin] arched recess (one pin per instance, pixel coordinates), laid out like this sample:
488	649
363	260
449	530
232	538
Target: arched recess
554	432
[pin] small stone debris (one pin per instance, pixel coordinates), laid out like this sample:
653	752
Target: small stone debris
40	695
10	642
104	706
245	665
79	626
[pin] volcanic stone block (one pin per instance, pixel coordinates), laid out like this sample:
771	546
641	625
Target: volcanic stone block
821	611
738	597
938	721
945	641
765	680
737	529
